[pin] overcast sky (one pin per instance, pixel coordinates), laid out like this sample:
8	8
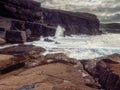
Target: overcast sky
106	10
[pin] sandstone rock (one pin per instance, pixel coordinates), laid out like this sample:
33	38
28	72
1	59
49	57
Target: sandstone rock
49	59
19	56
46	77
16	37
6	60
105	71
50	72
60	57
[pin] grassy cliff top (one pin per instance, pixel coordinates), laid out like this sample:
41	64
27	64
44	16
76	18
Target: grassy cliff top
110	25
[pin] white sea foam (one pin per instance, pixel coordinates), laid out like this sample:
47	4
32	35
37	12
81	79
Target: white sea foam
59	31
10	45
82	46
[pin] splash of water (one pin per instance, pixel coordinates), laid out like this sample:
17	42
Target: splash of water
59	31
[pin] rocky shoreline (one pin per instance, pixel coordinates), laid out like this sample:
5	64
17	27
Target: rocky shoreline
24	67
26	20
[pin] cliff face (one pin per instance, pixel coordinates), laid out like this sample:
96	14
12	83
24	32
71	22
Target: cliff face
22	15
28	14
74	23
27	10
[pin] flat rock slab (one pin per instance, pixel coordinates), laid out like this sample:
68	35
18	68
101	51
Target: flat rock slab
6	60
22	50
46	77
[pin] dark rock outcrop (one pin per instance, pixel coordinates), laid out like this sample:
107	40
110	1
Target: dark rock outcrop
16	37
27	10
28	14
35	30
105	71
73	22
2	33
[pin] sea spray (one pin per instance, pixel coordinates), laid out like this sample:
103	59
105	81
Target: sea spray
41	38
59	31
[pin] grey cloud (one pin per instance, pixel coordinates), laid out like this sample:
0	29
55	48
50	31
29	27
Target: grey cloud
113	18
106	10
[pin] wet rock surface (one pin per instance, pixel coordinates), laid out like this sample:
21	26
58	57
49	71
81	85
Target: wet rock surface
50	72
105	71
30	70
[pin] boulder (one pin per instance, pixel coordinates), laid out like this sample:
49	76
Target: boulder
105	70
108	74
17	56
22	50
2	41
16	36
6	60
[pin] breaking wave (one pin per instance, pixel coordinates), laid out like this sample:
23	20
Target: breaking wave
82	46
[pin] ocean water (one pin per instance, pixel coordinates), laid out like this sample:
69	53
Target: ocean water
79	47
82	46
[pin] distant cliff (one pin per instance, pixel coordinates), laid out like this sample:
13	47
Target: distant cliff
110	27
73	22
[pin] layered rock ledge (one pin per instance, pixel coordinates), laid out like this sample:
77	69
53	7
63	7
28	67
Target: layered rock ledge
25	68
27	16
